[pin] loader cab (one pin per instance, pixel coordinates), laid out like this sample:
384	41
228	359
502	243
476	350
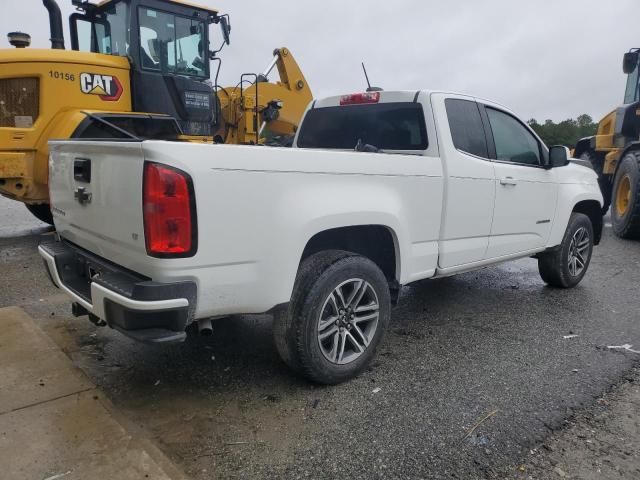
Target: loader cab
167	42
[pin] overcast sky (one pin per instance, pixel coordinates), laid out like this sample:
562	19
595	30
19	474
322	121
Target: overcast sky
543	58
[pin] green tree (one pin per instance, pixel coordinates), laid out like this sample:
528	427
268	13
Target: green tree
567	132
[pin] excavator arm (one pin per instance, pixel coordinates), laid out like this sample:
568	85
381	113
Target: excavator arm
265	110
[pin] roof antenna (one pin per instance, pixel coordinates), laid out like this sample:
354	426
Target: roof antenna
369	87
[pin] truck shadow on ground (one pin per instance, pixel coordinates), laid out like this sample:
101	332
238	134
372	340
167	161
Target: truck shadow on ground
456	349
492	302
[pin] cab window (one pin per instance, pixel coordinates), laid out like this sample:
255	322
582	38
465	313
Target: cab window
514	143
172	44
107	33
93	37
466	127
631	92
388	126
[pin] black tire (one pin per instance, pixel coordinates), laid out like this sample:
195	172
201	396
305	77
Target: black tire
296	327
626	224
42	212
554	266
604	181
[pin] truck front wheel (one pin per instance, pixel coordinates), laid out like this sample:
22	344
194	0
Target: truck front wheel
625	214
42	212
566	266
339	311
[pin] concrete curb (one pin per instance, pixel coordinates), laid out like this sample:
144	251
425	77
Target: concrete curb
54	423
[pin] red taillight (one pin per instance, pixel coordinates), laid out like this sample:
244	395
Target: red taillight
169	226
360	98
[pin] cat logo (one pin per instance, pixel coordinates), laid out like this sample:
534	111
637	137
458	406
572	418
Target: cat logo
107	87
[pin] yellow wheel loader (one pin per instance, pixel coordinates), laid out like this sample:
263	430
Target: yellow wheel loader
137	69
614	153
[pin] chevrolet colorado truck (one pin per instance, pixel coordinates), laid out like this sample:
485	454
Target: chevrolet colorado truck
380	190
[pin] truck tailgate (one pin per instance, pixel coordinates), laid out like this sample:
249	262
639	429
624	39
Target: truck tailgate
96	197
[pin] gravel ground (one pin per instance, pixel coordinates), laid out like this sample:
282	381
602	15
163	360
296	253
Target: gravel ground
488	345
601	442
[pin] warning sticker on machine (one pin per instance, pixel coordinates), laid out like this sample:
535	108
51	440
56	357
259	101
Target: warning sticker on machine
23	121
197	100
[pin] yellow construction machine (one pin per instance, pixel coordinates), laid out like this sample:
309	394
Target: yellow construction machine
138	69
614	153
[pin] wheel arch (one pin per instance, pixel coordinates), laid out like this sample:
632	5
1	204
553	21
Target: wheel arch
377	242
581	198
593	210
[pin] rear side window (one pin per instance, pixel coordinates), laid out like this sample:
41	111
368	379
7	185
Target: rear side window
387	126
466	127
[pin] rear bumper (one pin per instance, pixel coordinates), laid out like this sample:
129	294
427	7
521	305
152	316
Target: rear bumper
144	310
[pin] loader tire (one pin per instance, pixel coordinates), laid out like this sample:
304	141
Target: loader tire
42	212
625	213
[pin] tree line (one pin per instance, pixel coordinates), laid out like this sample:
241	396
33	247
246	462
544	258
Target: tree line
567	132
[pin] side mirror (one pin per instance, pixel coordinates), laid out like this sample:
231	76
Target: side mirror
558	156
226	29
630	62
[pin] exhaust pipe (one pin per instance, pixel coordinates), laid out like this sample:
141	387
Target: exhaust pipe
205	329
55	24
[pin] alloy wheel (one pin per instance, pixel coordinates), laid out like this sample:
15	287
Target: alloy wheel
348	321
579	252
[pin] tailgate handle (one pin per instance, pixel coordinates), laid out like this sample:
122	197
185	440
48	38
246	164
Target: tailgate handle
508	181
82	170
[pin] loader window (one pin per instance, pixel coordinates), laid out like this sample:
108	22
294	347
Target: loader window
631	93
172	44
93	37
388	126
118	19
107	34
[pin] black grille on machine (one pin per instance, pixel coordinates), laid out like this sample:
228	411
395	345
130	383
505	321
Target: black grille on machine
19	102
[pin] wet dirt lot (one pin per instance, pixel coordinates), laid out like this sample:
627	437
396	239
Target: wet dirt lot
459	349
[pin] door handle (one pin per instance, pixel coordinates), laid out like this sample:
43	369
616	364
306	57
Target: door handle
508	181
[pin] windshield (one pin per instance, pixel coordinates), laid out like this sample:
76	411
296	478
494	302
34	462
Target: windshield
387	126
631	92
172	44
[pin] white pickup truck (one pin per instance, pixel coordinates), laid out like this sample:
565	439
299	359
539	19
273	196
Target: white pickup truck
153	236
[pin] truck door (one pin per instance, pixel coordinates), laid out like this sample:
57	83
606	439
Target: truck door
526	192
470	183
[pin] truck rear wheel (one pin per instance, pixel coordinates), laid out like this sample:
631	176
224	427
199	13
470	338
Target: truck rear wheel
42	212
566	266
625	214
339	311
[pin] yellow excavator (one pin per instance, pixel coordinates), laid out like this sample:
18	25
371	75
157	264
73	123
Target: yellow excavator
137	69
614	153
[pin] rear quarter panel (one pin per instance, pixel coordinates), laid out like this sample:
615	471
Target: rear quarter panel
258	207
